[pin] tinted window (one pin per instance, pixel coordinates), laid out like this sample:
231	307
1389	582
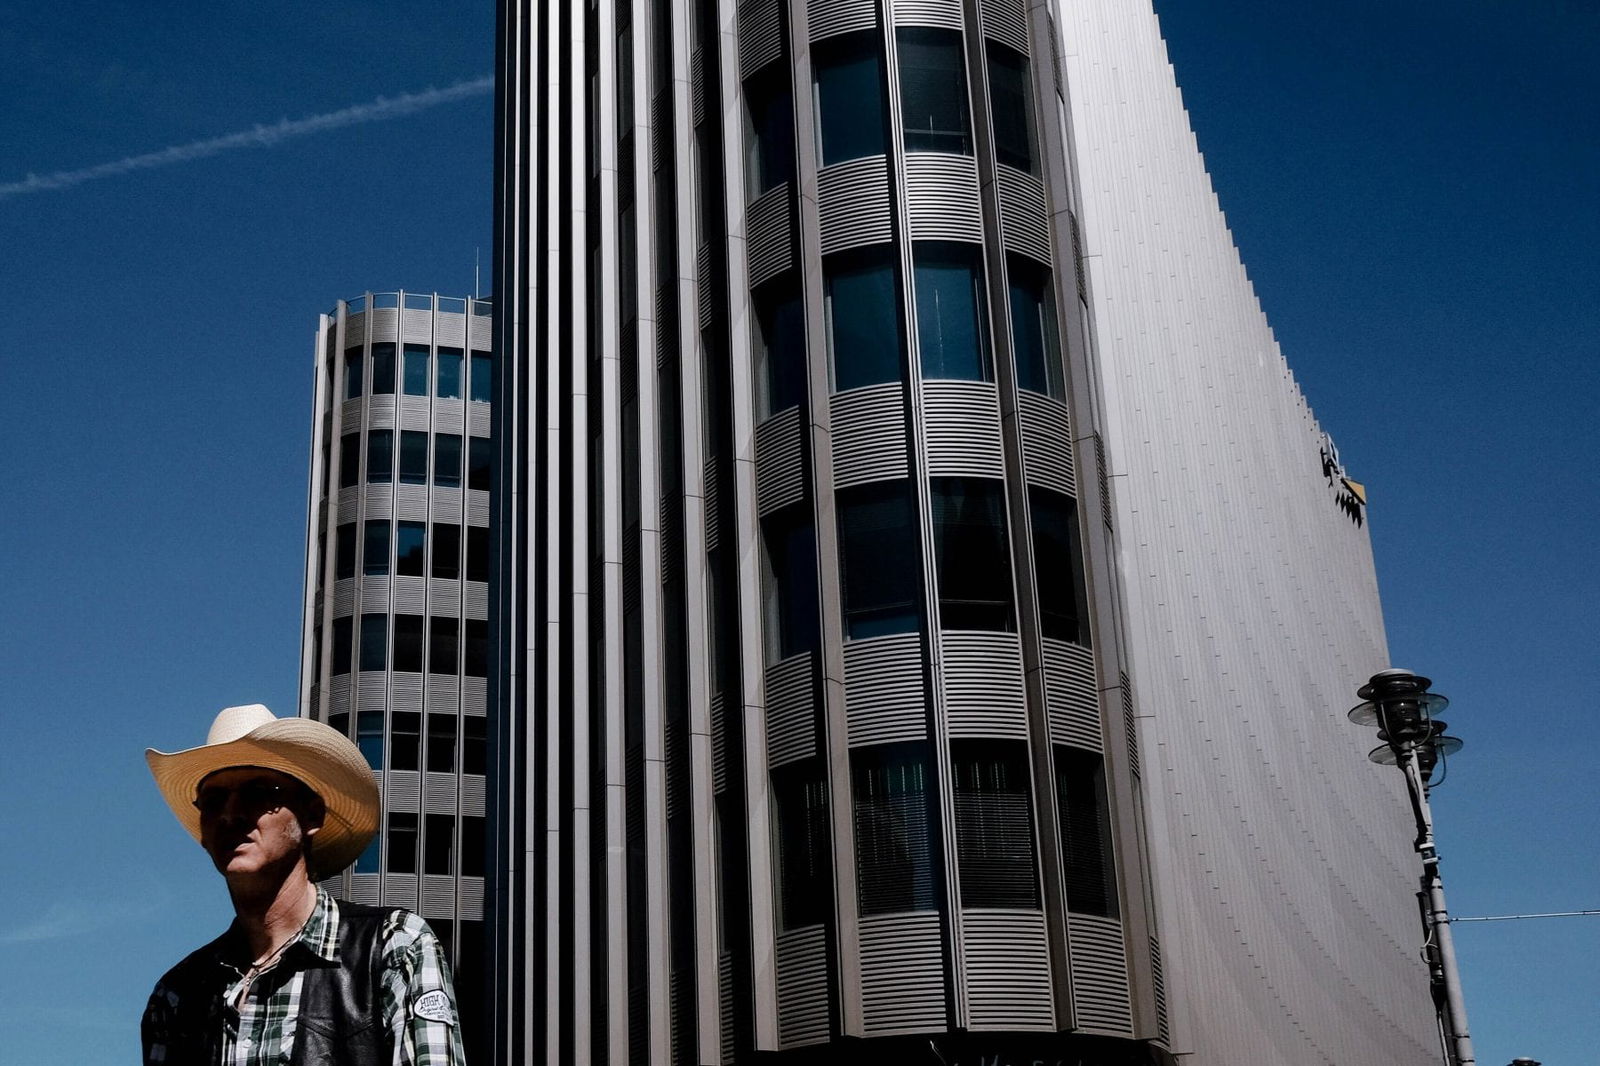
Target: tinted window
789	583
781	345
769	130
480	457
443	634
374	641
405	740
353	364
382	369
416	370
994	825
879	557
971	553
1085	832
1011	104
440	857
375	548
380	456
472	848
933	91
343	645
476	648
344	551
482	373
805	881
477	553
849	98
863	321
446	550
1058	565
1034	340
442	743
369	737
349	460
474	746
408	643
894	845
413	457
951	339
402	843
448	385
410	548
447	460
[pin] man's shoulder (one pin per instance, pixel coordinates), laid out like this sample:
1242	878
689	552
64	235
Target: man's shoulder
197	968
395	927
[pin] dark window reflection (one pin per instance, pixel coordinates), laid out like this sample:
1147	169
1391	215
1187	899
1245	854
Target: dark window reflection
1034	338
863	320
951	339
879	557
933	91
971	553
1011	103
849	94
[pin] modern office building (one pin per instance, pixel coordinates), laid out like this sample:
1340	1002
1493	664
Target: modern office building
848	699
395	631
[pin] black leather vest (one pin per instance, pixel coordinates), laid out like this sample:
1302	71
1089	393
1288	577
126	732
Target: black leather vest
341	1007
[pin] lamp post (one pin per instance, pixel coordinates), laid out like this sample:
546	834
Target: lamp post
1399	704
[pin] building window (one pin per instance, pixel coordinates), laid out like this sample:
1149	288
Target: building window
440	854
1086	851
416	370
349	460
442	743
476	648
343	645
769	130
894	844
446	550
994	824
805	878
382	369
477	553
405	740
933	91
413	457
447	382
447	460
480	459
374	642
1034	339
380	456
474	745
879	557
344	551
410	549
354	363
848	90
402	843
443	637
789	583
473	846
951	339
780	345
375	548
1058	567
369	737
1011	105
482	377
972	556
863	321
408	643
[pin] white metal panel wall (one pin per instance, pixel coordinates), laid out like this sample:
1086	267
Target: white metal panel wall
1252	604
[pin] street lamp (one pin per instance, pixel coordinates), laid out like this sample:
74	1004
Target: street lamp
1399	704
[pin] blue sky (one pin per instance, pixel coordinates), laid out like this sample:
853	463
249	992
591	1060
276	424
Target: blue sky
1411	185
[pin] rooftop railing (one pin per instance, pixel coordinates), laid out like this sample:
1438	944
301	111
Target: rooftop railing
416	301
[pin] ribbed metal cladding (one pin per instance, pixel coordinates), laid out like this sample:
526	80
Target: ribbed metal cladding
883	683
1046	442
831	17
802	966
760	34
869	432
963	429
1099	976
942	195
902	974
1024	225
944	13
1071	693
853	202
770	234
780	479
1006	21
1008	970
790	711
983	684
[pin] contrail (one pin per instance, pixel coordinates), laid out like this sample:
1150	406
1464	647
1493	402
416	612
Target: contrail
256	137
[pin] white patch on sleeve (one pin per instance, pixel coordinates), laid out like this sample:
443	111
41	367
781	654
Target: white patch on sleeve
434	1006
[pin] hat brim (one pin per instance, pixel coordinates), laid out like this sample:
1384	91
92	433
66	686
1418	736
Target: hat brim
311	752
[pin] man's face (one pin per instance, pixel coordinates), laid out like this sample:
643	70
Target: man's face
254	821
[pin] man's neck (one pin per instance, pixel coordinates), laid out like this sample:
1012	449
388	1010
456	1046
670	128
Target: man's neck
272	915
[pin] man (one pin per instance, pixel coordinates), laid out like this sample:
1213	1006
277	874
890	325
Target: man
299	977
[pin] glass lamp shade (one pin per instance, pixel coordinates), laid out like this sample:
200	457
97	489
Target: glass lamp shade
1421	707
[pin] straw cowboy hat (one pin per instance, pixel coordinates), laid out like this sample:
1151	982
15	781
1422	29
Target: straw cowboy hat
320	757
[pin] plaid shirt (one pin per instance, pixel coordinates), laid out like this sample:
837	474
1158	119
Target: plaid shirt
260	1029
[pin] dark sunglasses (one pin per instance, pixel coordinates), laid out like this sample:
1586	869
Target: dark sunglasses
253	795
